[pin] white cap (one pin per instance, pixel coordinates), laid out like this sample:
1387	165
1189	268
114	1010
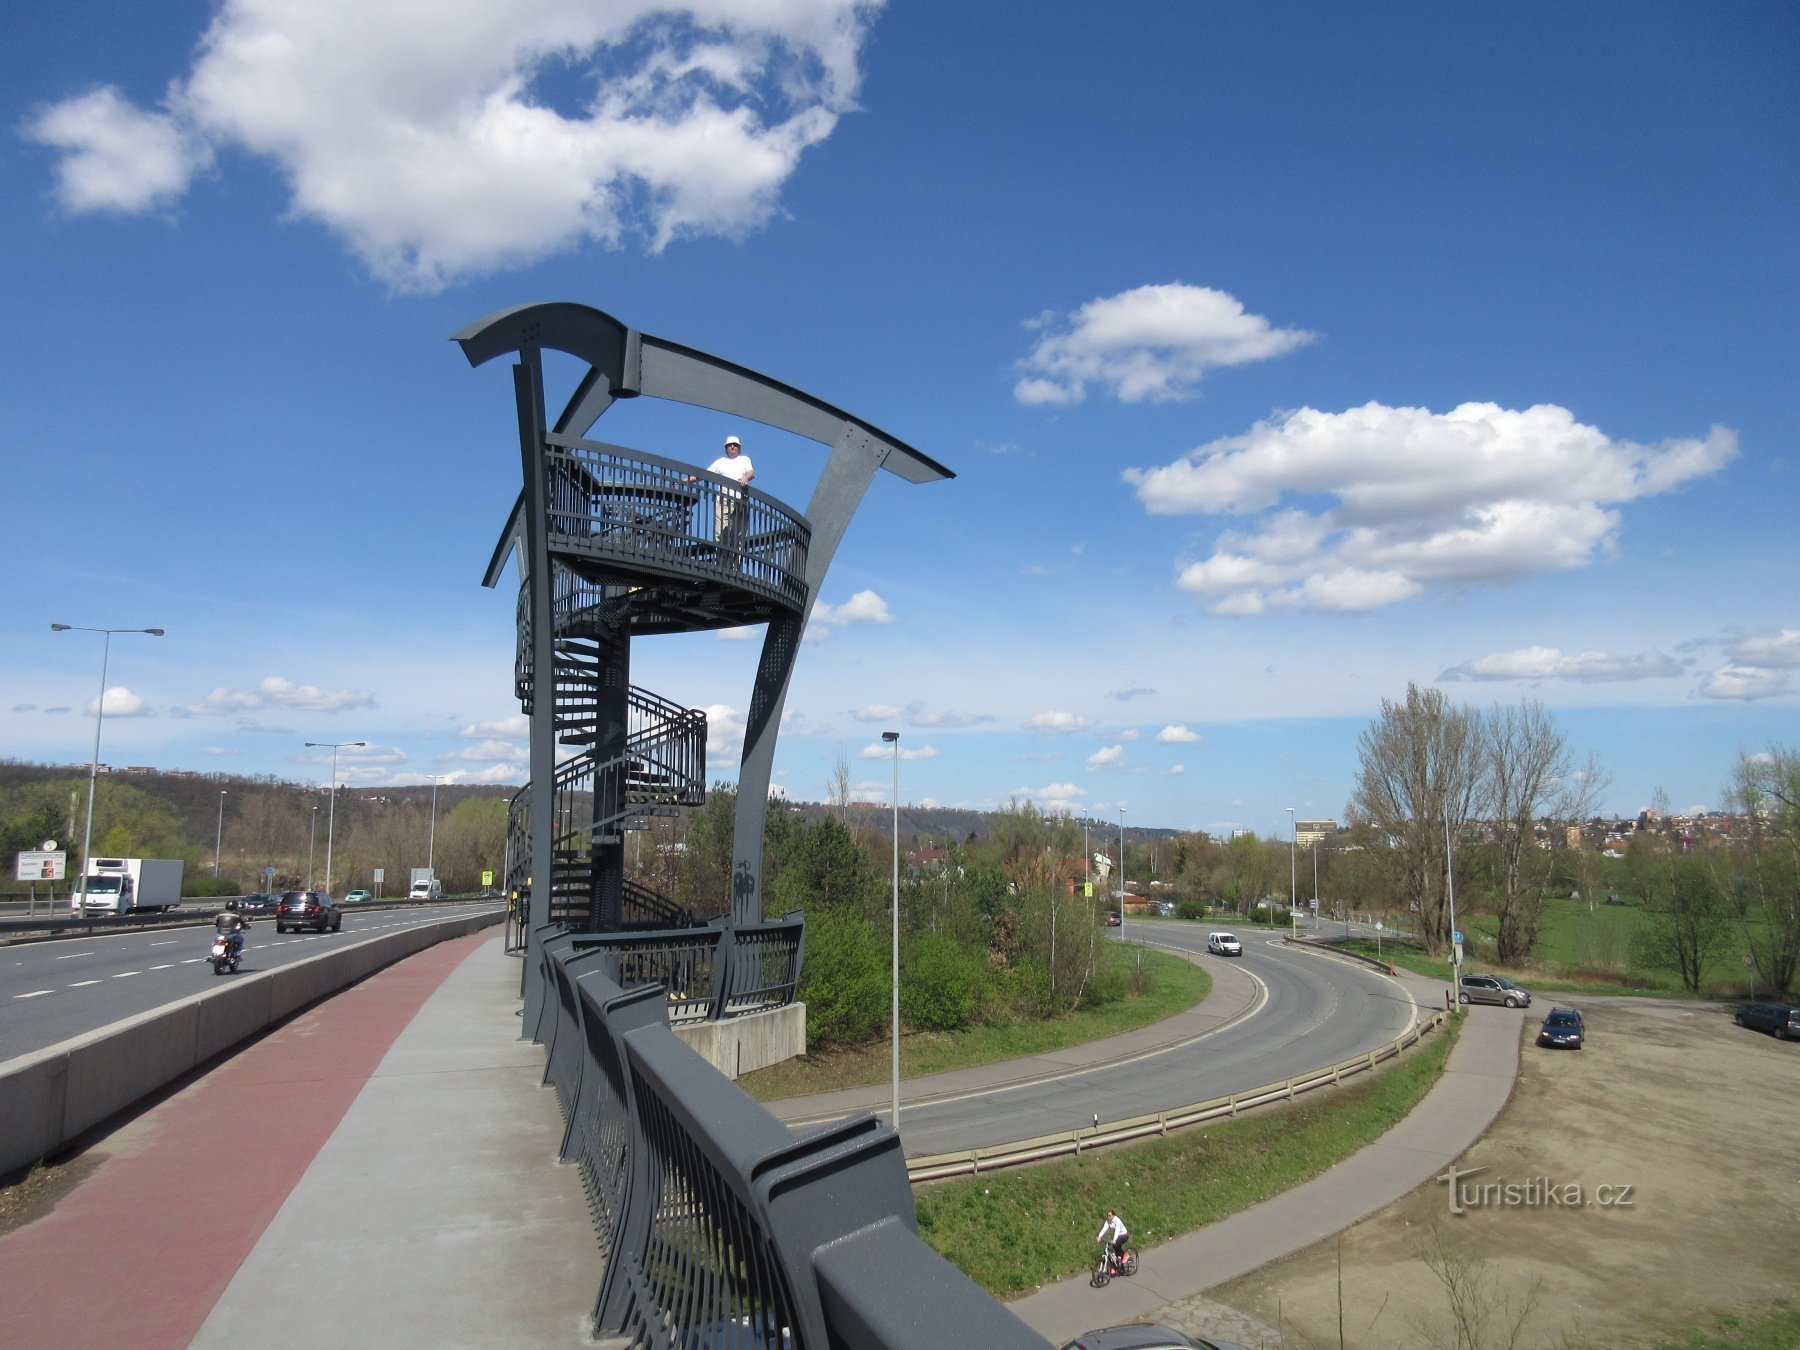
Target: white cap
733	440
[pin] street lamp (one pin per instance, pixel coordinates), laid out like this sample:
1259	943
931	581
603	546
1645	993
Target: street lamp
893	739
312	840
219	833
431	842
87	832
331	811
1293	884
1121	872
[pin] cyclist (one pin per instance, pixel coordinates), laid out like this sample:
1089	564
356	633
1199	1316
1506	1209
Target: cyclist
1114	1228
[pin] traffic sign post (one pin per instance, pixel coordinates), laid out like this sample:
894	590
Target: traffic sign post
41	864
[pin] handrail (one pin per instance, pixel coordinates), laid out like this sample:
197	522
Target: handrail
717	1225
937	1166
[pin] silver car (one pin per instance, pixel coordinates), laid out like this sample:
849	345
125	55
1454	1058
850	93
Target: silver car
1491	989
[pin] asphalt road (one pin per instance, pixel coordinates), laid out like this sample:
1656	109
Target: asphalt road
52	991
1317	1011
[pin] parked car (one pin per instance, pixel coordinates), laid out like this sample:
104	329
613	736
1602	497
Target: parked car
1491	989
1224	944
260	903
1780	1019
307	909
1562	1030
359	897
1144	1336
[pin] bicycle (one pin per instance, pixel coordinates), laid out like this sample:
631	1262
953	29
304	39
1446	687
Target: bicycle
1106	1266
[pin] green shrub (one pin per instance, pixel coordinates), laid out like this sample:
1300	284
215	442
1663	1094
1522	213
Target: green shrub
845	979
202	888
940	983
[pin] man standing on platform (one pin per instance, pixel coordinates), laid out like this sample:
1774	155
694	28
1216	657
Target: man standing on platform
728	513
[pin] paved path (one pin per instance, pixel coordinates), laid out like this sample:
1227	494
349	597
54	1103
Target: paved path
392	1180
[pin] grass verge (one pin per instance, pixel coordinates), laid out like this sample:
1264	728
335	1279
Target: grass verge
1775	1327
1012	1231
1175	985
1409	957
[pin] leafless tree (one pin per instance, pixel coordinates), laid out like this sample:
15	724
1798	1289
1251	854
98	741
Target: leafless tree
1419	775
1766	787
1530	782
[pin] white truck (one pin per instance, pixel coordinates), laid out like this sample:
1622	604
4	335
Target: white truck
128	886
425	885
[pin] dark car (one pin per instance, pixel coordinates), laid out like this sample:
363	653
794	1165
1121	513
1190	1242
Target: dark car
307	909
1491	989
1144	1336
1562	1030
260	903
1112	918
1780	1019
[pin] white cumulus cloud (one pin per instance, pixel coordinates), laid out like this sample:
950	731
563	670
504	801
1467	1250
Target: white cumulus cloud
1153	342
1481	495
277	691
1746	683
1106	757
465	136
1055	722
120	702
1176	735
1552	663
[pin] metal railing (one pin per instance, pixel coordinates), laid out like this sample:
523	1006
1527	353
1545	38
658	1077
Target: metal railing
718	1226
937	1166
711	972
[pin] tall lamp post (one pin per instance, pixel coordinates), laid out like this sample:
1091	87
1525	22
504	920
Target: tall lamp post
219	834
1293	883
893	739
1121	872
331	810
431	842
312	840
87	832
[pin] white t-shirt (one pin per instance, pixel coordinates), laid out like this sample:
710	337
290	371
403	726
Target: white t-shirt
735	467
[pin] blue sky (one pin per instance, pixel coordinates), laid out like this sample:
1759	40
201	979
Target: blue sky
1285	354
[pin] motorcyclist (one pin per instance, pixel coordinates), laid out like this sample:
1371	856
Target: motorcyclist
233	923
1114	1228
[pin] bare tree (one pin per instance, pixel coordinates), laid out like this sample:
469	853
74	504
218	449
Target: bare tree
1531	783
1419	777
1766	787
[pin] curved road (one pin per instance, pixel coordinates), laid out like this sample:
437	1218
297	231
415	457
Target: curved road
51	991
1316	1010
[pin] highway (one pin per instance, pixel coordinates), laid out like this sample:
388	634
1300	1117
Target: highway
52	991
1317	1010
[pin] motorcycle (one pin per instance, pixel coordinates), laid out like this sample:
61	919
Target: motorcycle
225	954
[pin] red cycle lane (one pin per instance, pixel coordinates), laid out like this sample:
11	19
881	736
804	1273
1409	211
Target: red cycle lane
141	1249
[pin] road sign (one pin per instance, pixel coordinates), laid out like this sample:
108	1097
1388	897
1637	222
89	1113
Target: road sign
1457	939
380	875
1313	903
1749	962
487	878
41	865
1378	927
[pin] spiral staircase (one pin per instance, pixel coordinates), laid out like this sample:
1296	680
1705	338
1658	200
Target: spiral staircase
615	544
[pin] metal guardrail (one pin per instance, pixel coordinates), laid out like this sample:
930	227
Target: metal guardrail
1312	944
194	910
937	1166
718	1226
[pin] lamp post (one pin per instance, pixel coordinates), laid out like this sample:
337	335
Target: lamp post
1450	894
87	832
331	810
1293	884
219	834
893	739
431	841
312	840
1121	872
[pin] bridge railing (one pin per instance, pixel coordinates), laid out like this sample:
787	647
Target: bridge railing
721	1228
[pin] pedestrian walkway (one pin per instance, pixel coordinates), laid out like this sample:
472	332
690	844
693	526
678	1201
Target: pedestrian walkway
380	1170
383	1170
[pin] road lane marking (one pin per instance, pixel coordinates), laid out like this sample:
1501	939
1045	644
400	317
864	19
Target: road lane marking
166	966
72	955
83	984
126	974
169	943
35	993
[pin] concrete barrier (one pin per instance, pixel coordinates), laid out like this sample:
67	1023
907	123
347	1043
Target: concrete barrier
741	1045
50	1097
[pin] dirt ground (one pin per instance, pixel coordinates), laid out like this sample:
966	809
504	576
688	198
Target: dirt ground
1695	1115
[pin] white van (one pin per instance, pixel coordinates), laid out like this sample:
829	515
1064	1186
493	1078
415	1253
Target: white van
426	890
1224	944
